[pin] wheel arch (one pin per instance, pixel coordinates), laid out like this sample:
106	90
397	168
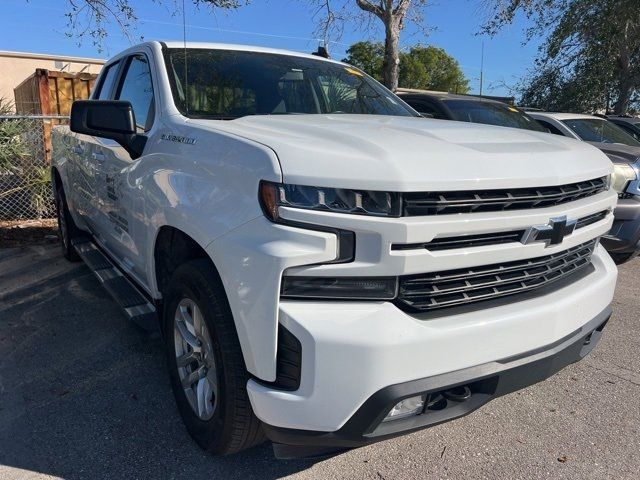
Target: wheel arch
172	248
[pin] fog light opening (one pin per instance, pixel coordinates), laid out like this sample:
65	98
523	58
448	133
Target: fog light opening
406	408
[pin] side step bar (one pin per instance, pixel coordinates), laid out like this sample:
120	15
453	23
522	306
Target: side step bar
134	303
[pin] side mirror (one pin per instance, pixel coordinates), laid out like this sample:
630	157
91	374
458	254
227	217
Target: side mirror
112	119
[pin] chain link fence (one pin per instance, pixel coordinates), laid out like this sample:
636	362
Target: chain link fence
25	159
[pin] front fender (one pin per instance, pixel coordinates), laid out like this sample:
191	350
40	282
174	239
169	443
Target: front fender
251	260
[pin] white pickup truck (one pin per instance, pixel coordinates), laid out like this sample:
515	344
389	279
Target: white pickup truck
327	268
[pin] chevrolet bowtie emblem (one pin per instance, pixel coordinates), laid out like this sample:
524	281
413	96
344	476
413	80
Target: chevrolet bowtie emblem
551	234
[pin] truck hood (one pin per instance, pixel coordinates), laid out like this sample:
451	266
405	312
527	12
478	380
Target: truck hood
414	154
619	153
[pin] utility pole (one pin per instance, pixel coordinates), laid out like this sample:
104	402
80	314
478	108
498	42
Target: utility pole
481	67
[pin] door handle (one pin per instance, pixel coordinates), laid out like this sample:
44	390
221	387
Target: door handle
98	157
78	150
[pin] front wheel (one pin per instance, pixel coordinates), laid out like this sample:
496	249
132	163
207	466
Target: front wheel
206	366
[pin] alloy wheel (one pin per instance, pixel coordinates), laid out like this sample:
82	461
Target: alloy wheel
195	359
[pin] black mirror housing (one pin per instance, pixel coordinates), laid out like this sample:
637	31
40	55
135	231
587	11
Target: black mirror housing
112	119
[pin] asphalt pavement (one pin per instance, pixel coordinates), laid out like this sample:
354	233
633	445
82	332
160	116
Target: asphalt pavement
85	394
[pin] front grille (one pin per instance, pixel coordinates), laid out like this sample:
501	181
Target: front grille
464	241
591	219
483	239
441	203
431	291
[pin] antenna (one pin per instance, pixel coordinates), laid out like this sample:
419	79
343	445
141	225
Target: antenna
184	41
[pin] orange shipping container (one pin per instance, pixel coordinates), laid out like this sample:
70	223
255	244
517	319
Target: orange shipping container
51	93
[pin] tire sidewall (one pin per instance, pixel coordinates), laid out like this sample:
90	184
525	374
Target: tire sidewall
209	434
60	211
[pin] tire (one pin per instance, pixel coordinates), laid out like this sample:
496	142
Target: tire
620	258
232	426
66	227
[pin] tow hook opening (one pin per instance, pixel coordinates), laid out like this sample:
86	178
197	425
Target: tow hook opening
458	394
597	332
442	399
592	338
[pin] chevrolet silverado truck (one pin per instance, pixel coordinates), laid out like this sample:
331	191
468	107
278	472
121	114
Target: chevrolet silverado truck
327	268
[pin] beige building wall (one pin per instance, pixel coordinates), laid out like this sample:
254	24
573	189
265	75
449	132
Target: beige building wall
17	66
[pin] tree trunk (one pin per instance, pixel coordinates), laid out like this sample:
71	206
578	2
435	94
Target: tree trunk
625	89
625	83
391	64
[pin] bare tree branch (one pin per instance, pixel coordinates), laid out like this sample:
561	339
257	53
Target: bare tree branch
367	6
91	18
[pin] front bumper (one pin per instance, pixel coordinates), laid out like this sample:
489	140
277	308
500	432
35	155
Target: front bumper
624	236
351	350
485	382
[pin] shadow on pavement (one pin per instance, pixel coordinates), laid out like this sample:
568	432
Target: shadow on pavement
84	393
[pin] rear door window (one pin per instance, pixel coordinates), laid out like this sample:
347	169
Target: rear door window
552	128
630	129
424	106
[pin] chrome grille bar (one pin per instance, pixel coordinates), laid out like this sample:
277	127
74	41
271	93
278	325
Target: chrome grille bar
439	203
482	239
462	286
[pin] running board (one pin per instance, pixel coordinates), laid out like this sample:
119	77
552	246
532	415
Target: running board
135	304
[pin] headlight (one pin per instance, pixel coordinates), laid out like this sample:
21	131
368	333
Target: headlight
337	200
622	175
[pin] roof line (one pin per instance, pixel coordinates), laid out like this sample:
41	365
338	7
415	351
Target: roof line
47	56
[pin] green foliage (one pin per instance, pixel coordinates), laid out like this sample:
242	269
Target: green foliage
431	68
39	189
19	158
368	57
12	149
590	58
550	90
428	68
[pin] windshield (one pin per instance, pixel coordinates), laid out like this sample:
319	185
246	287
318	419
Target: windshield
597	130
491	113
228	84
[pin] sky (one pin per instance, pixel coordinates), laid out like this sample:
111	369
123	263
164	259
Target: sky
40	26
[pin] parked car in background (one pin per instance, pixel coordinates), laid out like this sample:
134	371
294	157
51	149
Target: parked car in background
467	108
631	125
623	241
589	128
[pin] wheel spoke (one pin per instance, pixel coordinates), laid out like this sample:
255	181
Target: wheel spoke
188	337
203	396
187	358
197	321
193	377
